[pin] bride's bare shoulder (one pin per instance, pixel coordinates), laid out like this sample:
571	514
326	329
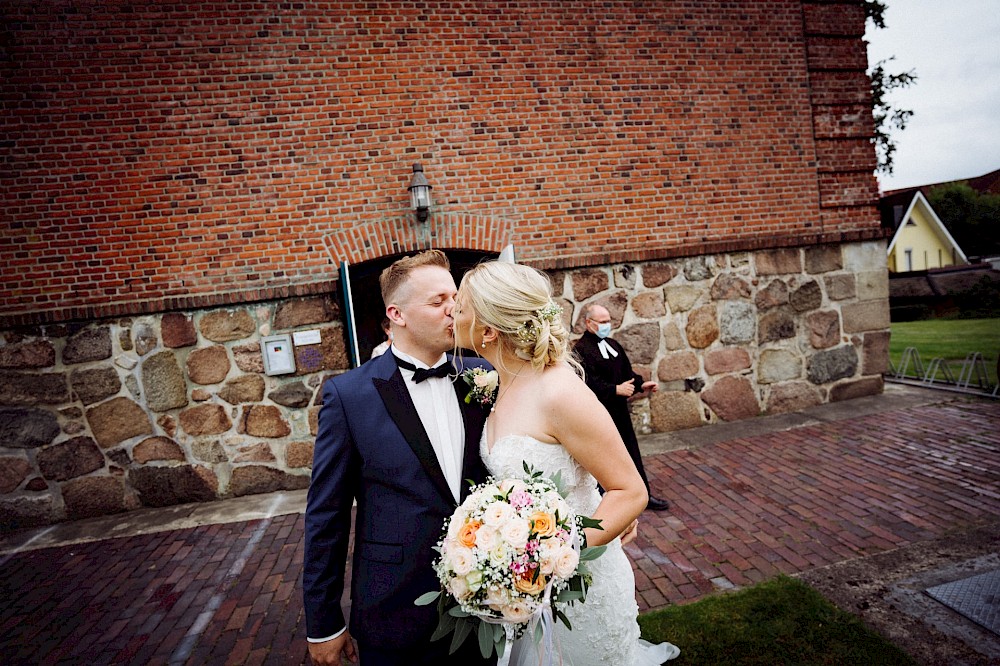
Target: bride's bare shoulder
562	380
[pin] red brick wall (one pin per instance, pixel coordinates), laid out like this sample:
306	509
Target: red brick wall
182	154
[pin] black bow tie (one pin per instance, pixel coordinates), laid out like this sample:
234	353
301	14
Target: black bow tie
420	374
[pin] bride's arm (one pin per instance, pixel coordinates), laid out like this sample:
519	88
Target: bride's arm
577	420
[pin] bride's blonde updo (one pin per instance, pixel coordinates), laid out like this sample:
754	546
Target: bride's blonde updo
516	301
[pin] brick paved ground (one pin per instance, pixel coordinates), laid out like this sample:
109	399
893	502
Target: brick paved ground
742	511
747	509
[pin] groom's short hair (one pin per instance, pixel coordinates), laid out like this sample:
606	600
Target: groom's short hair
393	277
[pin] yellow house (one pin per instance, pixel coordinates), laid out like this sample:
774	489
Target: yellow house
921	240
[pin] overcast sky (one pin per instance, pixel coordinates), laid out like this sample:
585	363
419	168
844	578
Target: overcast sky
954	48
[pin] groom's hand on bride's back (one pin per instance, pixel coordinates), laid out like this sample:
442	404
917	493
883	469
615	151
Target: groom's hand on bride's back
328	652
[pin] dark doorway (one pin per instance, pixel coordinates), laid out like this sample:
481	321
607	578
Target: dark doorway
367	296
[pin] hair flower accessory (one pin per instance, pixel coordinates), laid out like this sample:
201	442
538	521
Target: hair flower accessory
528	331
483	385
549	313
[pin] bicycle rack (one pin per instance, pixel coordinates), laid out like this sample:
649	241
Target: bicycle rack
974	364
936	364
910	354
972	378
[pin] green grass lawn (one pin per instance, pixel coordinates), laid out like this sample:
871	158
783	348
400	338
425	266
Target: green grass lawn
950	339
781	621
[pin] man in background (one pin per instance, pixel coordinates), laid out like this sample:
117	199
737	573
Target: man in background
610	376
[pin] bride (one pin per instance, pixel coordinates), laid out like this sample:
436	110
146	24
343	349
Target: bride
545	415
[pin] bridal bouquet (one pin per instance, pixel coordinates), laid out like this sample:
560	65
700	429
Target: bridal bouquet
511	553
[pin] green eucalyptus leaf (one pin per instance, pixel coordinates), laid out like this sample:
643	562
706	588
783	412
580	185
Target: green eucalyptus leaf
567	596
427	599
485	639
445	624
462	631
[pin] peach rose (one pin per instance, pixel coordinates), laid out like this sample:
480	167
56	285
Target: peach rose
543	523
467	533
526	586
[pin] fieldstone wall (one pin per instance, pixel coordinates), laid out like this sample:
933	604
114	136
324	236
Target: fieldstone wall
108	416
732	336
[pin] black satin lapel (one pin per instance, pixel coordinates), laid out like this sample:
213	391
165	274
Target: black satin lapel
400	407
473	417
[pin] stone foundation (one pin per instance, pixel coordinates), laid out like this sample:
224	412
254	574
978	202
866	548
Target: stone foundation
107	416
732	336
102	417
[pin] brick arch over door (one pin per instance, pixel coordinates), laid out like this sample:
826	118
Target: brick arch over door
399	234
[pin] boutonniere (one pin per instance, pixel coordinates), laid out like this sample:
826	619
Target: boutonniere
483	385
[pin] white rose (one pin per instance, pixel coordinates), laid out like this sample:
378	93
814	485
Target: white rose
560	505
497	513
515	532
459	588
456	523
498	553
486	537
516	612
461	560
552	499
472	501
566	560
546	560
474	580
488	380
496	597
512	485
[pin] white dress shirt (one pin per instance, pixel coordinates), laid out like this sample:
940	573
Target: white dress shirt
439	411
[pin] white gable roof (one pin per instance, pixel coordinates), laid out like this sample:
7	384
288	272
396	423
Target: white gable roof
918	197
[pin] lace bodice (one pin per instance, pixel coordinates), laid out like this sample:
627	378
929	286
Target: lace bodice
507	457
604	627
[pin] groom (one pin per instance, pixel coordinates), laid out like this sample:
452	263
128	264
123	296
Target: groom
401	441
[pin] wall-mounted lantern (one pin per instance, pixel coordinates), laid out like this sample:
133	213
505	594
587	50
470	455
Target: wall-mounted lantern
420	194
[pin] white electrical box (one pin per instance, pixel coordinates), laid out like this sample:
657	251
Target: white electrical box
279	357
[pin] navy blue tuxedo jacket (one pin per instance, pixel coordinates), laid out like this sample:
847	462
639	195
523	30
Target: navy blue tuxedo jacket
372	446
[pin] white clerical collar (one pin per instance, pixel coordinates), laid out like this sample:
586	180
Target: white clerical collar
606	349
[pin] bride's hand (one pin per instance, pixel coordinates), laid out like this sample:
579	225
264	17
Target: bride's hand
631	533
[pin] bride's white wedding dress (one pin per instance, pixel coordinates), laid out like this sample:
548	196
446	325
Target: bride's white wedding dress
604	627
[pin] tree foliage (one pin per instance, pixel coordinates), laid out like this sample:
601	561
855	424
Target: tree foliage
887	117
972	218
875	12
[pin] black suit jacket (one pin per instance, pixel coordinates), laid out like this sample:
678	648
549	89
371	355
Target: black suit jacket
603	375
372	446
